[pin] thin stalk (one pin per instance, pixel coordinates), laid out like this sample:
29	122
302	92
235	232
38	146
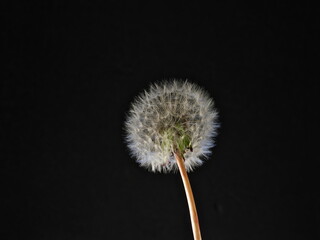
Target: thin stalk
189	195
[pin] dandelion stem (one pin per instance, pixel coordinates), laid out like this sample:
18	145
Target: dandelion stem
189	195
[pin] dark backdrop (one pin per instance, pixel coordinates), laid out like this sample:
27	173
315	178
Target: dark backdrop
71	71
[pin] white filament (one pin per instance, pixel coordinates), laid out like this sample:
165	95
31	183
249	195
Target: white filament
161	108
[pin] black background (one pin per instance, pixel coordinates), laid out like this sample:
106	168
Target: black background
71	71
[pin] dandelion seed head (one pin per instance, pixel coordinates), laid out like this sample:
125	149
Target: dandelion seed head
173	115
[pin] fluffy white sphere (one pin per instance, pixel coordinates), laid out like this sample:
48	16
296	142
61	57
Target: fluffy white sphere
171	116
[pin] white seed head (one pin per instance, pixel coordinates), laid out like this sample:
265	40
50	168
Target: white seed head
171	116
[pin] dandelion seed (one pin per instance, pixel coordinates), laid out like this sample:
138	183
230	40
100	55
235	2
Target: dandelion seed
171	115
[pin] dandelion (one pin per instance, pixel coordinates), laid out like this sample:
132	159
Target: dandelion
172	127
